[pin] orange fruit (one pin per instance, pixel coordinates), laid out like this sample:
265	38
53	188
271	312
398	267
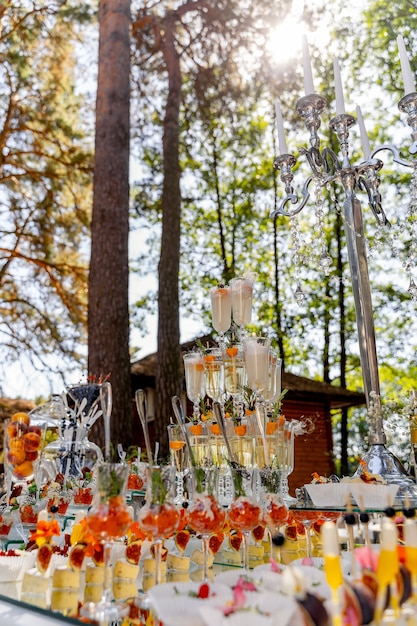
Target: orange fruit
24	470
240	430
31	441
16	455
16	430
271	428
21	417
196	429
215	429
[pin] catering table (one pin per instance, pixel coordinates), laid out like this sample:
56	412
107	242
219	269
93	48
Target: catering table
17	613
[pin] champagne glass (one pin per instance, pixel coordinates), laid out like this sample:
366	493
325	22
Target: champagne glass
204	514
159	517
241	291
257	364
245	512
108	520
214	374
106	401
179	458
274	507
274	380
6	523
285	455
194	380
306	518
221	310
234	372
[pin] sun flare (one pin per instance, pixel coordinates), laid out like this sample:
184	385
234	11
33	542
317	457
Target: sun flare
285	40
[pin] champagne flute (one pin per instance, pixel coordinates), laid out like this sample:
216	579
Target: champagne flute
194	380
221	310
241	292
285	456
106	402
234	372
257	364
214	373
179	459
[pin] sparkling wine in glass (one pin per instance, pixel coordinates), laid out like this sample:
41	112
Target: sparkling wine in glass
221	310
257	364
179	459
234	371
214	374
241	292
194	380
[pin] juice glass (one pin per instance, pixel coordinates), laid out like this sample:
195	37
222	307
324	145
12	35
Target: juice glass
204	514
159	517
245	512
108	520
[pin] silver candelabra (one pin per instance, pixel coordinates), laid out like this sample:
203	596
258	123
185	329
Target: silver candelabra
326	169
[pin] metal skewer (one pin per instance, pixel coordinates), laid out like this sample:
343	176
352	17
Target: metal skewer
140	399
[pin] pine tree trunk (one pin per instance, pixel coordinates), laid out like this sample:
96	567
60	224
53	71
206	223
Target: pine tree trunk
169	373
108	313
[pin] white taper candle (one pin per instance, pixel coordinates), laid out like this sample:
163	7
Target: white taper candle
389	536
410	533
409	85
364	135
308	72
330	539
282	144
340	102
43	516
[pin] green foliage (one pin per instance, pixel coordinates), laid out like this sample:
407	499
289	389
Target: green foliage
45	172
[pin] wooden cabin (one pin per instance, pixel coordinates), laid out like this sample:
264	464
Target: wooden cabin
306	399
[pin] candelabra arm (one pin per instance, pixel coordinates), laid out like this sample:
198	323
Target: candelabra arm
396	154
331	162
293	199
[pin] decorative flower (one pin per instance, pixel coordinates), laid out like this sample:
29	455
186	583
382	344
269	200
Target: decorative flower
81	534
45	531
135	532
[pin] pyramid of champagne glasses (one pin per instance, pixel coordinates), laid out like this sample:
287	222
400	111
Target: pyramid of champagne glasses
236	425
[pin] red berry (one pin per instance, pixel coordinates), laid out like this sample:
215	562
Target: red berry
204	591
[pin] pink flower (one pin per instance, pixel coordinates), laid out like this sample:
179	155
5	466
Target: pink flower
274	566
245	584
367	558
239	599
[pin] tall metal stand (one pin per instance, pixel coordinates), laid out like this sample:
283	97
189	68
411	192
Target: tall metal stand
327	169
